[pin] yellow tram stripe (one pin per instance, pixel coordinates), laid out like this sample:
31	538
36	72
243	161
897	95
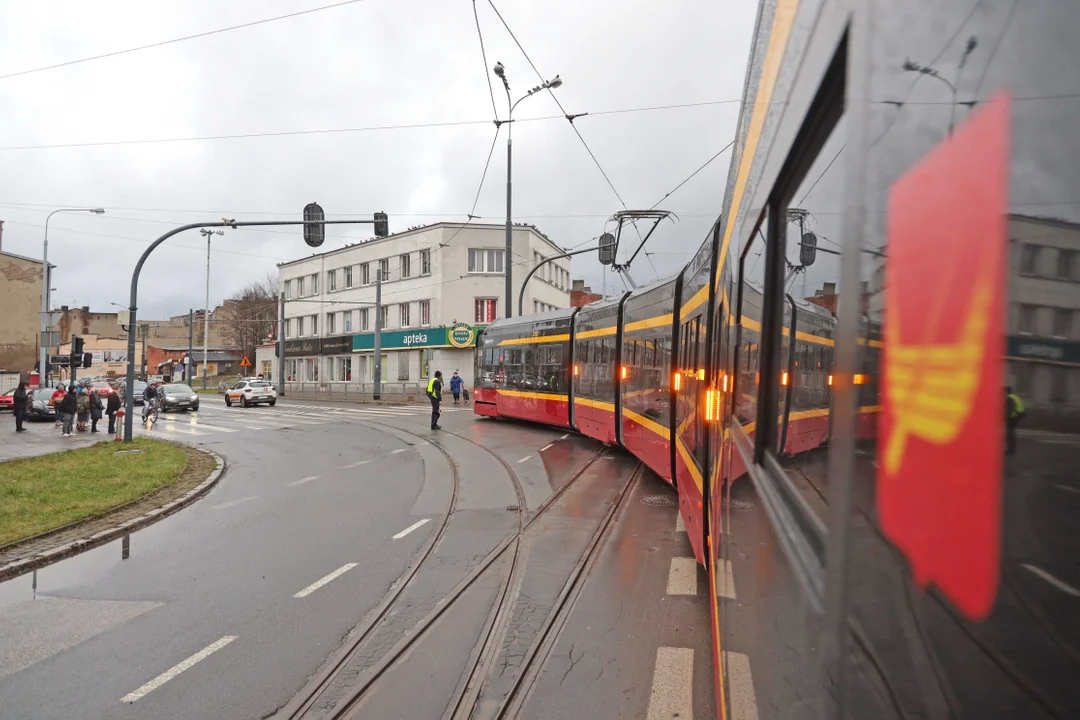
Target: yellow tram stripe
599	332
534	340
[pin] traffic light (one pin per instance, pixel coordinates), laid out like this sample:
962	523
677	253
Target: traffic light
76	345
87	359
382	225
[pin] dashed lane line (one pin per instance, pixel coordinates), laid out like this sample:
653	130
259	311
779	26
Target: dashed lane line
565	436
546	447
409	529
680	524
177	669
303	480
741	696
399	450
527	457
350	466
682	577
233	503
726	581
323	581
672	693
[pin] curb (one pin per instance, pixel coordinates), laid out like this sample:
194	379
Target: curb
21	567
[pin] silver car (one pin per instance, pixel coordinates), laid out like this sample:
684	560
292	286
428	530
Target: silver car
251	392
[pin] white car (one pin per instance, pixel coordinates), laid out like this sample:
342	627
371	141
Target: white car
251	392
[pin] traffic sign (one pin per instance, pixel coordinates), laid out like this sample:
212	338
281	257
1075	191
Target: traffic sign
245	362
60	360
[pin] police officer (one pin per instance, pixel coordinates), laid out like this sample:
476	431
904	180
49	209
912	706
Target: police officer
1014	412
434	393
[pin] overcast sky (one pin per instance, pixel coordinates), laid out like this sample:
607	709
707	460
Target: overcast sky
370	63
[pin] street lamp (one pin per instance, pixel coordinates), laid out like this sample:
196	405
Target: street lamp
207	233
555	82
43	355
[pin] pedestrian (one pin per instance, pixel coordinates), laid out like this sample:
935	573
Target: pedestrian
111	408
434	393
82	405
20	406
54	401
67	407
95	409
456	384
1014	413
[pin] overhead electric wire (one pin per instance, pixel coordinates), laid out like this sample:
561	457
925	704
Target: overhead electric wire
483	55
691	176
326	131
162	43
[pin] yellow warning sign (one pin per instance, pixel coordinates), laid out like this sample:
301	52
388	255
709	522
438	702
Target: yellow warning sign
245	362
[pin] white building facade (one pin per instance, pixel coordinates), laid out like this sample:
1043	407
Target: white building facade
440	284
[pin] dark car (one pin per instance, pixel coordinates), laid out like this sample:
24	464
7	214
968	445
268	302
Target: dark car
177	396
140	386
37	404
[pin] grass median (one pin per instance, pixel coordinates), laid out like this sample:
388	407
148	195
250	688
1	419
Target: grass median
49	491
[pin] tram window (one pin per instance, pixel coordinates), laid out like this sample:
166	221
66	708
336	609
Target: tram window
752	263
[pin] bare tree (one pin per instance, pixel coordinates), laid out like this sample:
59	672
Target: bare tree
249	317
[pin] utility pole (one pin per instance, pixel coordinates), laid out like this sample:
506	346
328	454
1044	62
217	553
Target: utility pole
207	233
281	345
145	332
190	341
377	392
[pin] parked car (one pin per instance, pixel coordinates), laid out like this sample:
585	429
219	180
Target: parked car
101	388
140	387
251	392
37	404
7	400
176	396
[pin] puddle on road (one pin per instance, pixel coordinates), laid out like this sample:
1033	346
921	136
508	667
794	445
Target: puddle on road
66	573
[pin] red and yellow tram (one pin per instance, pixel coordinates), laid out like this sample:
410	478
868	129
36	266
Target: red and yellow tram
931	565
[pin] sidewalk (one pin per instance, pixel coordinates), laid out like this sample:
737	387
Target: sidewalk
42	438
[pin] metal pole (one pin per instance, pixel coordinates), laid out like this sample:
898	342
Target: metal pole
281	345
43	357
545	261
206	311
71	360
133	301
190	341
377	392
145	332
509	254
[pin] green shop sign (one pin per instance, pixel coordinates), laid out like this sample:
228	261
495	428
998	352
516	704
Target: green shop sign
458	336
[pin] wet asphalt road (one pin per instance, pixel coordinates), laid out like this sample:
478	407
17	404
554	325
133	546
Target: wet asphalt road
216	585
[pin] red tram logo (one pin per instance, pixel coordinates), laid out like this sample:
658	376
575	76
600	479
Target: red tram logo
940	461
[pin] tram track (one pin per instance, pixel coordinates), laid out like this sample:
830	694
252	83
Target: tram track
306	701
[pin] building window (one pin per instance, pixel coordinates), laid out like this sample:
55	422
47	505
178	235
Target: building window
384	268
342	369
311	368
485	261
365	274
404	310
288	327
425	312
1066	260
288	289
314	283
1029	259
348	276
1028	320
425	262
290	370
486	310
331	280
385	314
314	326
1063	322
330	325
299	327
425	363
299	287
403	365
363	319
406	266
346	318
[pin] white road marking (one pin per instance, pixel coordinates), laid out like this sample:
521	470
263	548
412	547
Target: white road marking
672	693
301	481
399	450
546	447
565	436
409	529
195	425
319	583
1067	488
741	699
726	581
682	577
230	503
177	669
680	524
1059	584
350	466
169	427
527	457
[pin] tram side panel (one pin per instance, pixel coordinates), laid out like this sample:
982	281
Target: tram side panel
594	370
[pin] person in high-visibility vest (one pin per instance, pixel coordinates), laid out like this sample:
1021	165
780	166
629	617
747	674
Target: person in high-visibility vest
434	393
1014	413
